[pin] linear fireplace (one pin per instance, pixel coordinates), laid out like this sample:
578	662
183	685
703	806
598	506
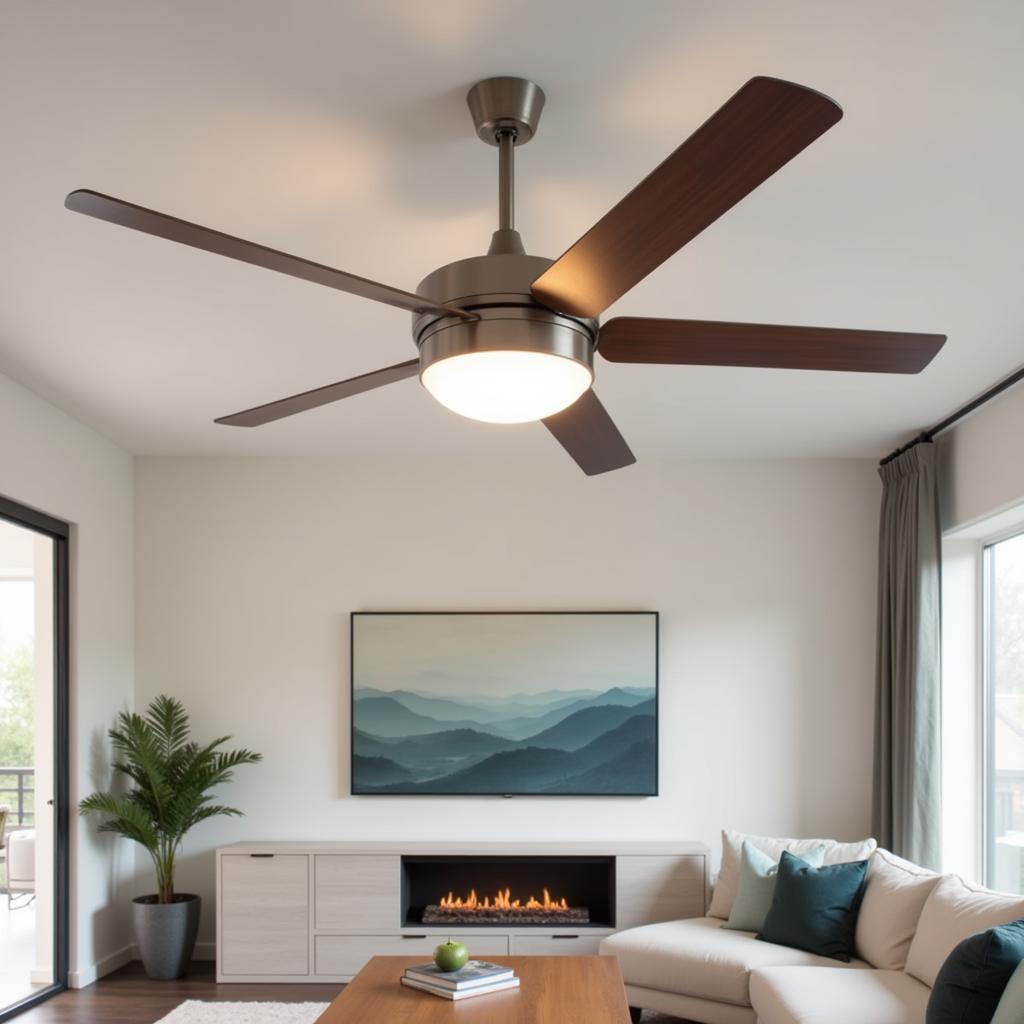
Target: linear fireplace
528	891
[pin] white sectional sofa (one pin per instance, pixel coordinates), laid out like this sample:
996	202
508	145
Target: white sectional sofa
910	920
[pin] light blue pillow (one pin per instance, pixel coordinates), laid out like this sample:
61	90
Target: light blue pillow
757	886
1011	1006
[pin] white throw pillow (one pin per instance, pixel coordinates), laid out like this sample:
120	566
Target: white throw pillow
894	897
732	842
953	911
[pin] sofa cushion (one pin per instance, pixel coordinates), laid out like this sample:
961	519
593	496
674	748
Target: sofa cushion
975	975
732	842
758	874
953	911
688	1008
816	908
698	957
811	995
892	904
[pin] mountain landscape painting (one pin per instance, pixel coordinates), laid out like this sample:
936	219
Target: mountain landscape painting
505	703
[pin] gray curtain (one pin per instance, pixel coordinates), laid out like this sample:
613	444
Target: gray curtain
907	779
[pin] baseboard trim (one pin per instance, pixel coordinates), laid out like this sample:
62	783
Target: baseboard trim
87	975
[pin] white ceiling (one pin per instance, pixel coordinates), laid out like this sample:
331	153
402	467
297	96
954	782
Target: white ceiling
338	131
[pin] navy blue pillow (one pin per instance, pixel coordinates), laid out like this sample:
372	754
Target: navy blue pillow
815	909
971	981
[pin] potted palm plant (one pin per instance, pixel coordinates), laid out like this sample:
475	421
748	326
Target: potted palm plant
170	777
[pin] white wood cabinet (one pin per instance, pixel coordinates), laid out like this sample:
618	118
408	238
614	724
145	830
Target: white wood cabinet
356	891
344	955
557	943
319	911
263	923
651	888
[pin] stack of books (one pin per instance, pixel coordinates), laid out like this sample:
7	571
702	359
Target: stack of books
477	978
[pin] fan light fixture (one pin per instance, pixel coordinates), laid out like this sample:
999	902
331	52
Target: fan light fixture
507	387
509	337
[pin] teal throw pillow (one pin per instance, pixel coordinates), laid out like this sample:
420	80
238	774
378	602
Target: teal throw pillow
1011	1006
971	982
757	886
815	909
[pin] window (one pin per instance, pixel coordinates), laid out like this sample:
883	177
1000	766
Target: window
1003	647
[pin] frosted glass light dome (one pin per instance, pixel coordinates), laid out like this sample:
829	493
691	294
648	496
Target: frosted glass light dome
506	386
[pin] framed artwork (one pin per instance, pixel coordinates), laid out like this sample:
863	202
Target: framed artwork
502	703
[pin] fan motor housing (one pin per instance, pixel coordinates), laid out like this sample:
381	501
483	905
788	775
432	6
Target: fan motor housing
497	288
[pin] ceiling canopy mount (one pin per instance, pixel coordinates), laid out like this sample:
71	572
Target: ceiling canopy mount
506	106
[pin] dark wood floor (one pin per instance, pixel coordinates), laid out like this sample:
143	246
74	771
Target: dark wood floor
128	997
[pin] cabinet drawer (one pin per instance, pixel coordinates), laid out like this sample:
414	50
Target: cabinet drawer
264	925
357	891
574	944
346	954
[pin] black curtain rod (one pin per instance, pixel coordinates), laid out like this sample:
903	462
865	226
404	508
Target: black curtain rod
965	410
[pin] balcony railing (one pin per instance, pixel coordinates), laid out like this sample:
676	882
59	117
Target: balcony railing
17	791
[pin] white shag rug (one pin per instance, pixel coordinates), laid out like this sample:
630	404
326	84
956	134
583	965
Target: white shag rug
196	1011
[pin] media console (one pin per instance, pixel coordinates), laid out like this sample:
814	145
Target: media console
318	911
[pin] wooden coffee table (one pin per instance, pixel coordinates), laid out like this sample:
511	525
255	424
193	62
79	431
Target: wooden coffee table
552	990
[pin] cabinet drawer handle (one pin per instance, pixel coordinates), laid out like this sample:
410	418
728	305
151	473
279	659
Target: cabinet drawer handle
565	936
261	855
414	936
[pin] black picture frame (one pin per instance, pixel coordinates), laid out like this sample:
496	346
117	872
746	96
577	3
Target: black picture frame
368	794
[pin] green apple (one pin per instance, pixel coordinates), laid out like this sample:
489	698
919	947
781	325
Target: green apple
451	956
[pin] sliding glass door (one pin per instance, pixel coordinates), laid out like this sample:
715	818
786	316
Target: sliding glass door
33	756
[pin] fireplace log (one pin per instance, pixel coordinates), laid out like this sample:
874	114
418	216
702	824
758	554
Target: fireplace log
435	914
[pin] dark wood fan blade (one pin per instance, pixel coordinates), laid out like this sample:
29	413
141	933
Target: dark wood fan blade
587	433
718	343
128	215
765	125
261	414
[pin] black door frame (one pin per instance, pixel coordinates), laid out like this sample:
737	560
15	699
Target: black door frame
59	532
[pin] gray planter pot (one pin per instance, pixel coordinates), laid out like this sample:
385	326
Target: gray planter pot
165	933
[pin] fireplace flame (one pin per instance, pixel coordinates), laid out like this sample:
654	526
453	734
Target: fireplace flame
501	901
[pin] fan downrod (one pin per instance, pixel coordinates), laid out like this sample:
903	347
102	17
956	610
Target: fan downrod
506	113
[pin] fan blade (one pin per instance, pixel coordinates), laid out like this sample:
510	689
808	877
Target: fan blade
587	433
765	125
128	215
261	414
718	343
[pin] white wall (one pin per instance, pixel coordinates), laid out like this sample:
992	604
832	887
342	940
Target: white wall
52	462
764	572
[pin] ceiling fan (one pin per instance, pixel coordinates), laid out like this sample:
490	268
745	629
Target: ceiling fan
509	338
